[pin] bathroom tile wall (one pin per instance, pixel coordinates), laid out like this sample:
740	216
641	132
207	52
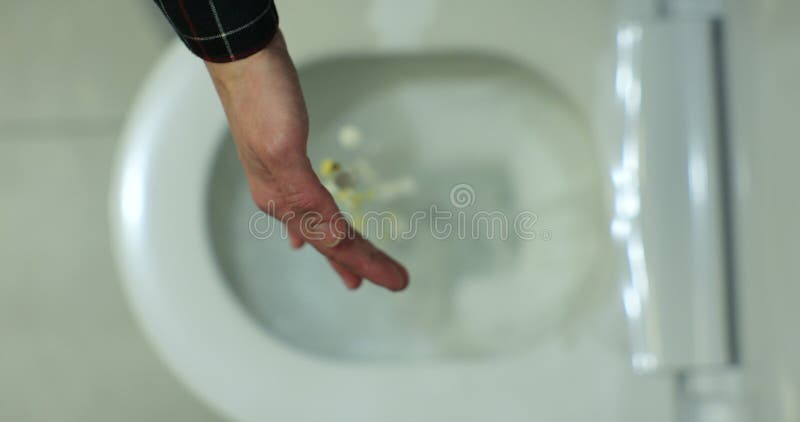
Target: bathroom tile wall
765	121
76	59
69	348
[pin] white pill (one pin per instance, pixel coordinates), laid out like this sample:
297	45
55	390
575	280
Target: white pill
350	137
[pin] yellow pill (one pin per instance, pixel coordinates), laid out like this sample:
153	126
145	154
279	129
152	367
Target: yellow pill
328	167
355	200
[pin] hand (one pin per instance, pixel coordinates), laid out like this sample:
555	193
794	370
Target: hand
267	116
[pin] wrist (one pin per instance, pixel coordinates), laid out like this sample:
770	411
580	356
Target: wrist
231	77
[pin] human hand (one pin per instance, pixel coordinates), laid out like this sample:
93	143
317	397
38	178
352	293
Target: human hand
267	116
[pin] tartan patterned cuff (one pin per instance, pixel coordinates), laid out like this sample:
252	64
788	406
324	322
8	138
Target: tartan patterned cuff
222	30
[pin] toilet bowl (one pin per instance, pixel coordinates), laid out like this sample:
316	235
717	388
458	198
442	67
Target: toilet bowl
264	333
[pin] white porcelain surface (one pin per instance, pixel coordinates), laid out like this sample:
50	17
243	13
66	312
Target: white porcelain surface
669	179
202	331
69	348
766	62
450	123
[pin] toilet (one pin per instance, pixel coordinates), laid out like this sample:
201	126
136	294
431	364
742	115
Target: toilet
260	332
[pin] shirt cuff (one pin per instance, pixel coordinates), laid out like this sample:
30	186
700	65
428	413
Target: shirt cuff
222	30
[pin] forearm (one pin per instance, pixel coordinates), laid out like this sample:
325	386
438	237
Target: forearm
237	78
262	99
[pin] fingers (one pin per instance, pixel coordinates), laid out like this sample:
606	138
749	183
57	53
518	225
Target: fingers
352	281
295	240
354	256
340	243
360	257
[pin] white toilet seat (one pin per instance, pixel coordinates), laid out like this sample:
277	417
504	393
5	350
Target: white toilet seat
186	310
195	323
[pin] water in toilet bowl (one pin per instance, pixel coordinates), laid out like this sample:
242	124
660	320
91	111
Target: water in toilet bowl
477	138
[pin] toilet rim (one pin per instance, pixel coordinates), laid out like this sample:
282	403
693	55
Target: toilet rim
157	208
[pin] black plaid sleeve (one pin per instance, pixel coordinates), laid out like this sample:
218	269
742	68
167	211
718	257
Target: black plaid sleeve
222	30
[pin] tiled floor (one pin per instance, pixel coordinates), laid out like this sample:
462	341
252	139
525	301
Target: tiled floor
69	348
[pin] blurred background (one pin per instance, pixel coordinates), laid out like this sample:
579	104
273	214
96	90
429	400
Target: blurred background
70	349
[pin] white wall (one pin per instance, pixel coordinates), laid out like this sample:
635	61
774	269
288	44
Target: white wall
766	53
69	349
